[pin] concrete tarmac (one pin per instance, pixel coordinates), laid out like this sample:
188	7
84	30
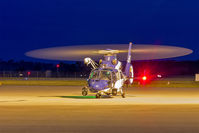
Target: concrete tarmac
62	109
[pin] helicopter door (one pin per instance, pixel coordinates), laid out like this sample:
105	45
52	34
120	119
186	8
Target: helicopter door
119	82
114	79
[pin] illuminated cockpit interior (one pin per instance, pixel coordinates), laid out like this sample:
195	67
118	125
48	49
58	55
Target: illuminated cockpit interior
101	74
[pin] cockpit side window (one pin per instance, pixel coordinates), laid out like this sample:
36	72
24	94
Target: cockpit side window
114	76
94	75
118	75
122	76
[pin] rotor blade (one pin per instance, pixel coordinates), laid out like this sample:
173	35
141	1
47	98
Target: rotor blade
139	52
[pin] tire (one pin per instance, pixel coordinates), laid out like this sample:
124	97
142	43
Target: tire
123	95
98	95
84	91
114	92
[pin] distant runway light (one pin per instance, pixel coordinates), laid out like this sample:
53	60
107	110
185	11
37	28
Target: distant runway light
159	76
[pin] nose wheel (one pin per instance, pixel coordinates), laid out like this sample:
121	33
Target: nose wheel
98	95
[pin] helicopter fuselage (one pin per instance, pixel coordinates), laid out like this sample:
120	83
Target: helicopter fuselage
105	80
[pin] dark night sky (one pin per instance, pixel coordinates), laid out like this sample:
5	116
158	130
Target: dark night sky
26	25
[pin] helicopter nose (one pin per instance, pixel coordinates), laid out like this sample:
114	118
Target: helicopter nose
98	85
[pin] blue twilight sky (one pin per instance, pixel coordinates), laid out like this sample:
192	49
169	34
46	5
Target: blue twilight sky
31	24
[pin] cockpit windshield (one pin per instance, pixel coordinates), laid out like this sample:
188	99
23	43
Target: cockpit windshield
105	75
101	75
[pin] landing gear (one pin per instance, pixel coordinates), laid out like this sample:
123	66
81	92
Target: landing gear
84	91
98	95
114	92
108	94
122	93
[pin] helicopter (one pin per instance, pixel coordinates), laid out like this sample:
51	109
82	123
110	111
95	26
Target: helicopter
107	77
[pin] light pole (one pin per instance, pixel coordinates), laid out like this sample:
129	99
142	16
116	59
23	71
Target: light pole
57	66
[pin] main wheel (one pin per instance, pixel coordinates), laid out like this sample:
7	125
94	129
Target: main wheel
114	92
123	95
98	95
84	91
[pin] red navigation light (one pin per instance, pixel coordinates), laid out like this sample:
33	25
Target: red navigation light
57	65
144	78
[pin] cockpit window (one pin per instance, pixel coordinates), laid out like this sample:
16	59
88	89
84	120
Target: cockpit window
101	75
105	75
94	75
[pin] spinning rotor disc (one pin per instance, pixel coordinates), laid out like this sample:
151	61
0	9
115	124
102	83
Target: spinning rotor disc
139	52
